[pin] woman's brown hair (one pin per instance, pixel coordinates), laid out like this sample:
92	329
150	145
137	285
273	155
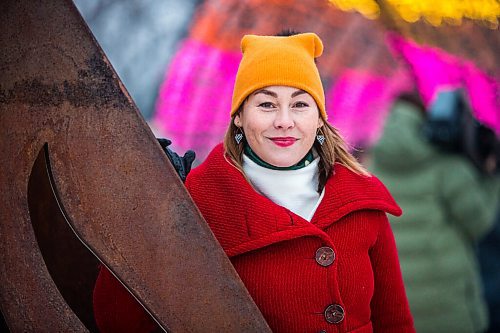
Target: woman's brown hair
333	150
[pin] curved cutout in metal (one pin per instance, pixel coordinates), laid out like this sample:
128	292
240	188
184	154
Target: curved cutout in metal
71	265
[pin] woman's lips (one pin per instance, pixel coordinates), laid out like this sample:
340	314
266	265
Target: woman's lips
283	141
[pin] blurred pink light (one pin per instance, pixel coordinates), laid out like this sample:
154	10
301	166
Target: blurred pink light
359	101
434	69
194	102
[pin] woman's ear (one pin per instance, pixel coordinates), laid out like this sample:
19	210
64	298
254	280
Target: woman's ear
321	122
237	121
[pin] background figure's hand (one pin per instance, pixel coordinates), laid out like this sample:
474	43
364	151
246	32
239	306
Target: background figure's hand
181	164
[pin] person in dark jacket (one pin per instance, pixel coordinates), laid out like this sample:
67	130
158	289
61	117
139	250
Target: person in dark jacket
448	207
303	223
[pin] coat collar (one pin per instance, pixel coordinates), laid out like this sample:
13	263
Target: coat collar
244	220
346	191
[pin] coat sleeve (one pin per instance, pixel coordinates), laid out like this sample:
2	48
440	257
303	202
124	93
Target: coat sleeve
470	198
390	311
116	310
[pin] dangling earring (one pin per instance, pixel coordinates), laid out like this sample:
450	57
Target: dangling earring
238	137
320	137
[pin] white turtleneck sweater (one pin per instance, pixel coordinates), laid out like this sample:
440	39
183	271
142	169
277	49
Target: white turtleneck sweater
295	190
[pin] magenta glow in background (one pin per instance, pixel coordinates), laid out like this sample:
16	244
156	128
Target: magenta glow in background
194	102
359	101
434	69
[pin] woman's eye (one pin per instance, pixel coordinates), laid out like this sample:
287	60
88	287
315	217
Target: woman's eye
266	105
300	105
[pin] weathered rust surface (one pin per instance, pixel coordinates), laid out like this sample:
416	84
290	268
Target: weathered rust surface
113	183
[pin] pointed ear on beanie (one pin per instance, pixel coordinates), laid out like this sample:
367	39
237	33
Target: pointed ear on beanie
311	43
246	40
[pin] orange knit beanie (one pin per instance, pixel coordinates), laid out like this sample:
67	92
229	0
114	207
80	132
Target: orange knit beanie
279	61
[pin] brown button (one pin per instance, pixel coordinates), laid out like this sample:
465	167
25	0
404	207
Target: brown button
334	313
325	256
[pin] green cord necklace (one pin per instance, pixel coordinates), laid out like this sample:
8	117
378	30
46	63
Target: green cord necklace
302	163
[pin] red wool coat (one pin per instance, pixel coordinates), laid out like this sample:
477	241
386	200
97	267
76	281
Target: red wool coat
338	273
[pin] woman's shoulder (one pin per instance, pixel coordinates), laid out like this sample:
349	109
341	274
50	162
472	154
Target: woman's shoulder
215	167
343	176
360	191
214	159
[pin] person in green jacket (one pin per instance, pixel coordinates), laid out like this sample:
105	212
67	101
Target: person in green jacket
447	206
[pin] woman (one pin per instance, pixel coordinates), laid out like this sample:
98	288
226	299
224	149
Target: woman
303	223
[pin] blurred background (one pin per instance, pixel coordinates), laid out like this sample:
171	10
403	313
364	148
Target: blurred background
178	59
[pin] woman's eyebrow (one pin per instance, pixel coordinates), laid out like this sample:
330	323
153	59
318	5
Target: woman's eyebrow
298	92
266	92
273	94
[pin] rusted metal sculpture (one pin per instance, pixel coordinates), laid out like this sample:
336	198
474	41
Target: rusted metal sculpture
75	153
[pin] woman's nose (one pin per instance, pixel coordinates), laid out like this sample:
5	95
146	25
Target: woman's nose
284	119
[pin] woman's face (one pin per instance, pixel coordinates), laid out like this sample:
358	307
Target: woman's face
280	124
